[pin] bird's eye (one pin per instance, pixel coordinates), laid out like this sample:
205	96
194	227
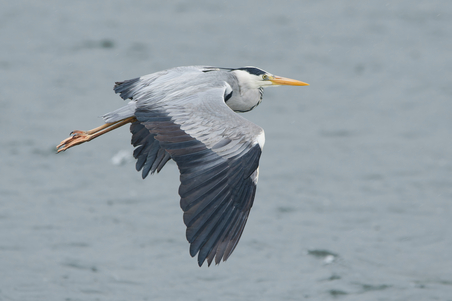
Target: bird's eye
265	77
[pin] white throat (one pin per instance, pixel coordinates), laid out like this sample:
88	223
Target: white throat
247	80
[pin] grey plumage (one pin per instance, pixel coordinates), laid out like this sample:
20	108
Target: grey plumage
187	114
215	149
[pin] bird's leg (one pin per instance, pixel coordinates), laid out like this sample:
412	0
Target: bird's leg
79	137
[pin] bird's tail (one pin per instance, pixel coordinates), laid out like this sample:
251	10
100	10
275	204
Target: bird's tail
121	113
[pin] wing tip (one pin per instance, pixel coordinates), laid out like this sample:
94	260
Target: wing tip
126	88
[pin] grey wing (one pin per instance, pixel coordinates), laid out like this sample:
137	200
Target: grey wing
150	156
217	152
133	88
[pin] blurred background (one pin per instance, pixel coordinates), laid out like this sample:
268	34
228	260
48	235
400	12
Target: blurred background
355	188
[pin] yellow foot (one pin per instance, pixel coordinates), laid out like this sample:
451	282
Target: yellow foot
77	137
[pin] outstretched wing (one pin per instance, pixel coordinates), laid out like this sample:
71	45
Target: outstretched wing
217	152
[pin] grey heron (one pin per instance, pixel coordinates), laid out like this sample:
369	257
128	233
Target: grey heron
188	114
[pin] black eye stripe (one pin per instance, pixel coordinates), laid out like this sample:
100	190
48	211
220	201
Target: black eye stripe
252	70
227	97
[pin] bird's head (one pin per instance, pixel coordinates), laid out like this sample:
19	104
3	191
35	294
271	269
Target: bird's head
247	90
258	78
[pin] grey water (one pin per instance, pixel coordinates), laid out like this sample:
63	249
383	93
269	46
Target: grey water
355	190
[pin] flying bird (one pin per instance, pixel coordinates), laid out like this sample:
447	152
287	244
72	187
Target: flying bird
189	114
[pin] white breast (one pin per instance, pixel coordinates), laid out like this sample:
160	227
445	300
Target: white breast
260	139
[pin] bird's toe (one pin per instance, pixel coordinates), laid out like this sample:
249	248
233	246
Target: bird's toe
77	137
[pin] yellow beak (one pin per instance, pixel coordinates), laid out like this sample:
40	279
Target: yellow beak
277	80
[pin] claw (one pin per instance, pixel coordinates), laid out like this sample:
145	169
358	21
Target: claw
77	137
